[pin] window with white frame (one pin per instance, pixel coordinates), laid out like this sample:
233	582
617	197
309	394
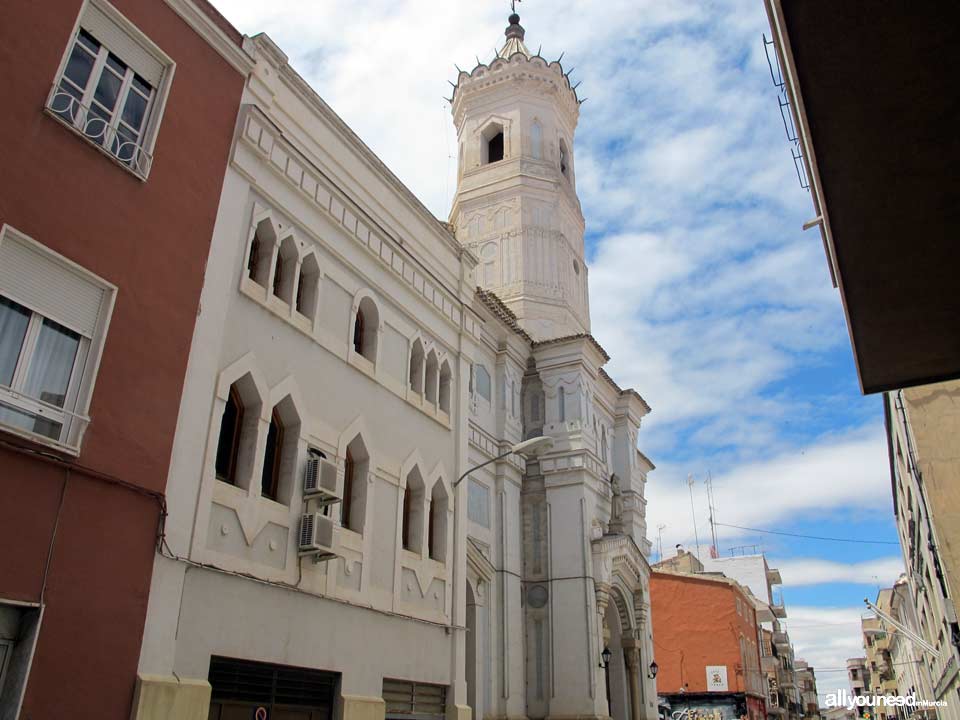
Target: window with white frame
111	86
53	317
482	382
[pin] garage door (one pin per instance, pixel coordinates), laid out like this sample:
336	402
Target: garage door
249	690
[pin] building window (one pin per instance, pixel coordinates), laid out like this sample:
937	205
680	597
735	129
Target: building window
416	367
308	286
482	382
562	403
270	478
411	534
285	270
111	86
564	160
365	324
492	144
478	503
444	397
437	530
431	382
53	318
355	468
260	253
228	445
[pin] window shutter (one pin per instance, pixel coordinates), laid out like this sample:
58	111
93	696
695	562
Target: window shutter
122	44
49	286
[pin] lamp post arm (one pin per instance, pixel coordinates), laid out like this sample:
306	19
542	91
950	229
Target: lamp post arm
910	635
477	467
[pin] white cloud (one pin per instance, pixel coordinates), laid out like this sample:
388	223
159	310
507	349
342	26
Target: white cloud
831	475
826	637
812	571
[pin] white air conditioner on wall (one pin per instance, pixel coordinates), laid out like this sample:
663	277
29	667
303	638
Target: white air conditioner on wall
316	535
320	481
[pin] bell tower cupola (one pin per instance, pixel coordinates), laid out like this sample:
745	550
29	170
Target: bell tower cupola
516	206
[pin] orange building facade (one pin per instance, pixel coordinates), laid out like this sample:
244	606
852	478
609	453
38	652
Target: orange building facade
705	634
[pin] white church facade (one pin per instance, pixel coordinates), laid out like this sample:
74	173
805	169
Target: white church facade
343	538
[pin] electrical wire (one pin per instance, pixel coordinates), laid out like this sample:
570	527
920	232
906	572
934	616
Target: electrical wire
811	537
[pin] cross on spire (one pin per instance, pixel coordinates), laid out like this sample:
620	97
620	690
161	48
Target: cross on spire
513	6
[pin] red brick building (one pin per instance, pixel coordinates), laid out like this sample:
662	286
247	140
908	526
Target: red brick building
117	121
705	633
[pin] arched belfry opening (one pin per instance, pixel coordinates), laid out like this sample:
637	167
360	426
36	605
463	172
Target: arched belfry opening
492	144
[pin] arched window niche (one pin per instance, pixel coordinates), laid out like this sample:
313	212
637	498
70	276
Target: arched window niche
492	144
366	323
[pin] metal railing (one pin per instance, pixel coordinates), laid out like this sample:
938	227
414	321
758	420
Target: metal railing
99	131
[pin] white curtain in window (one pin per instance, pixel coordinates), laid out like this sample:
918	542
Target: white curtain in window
14	319
52	364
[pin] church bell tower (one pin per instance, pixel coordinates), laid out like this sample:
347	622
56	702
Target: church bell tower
516	206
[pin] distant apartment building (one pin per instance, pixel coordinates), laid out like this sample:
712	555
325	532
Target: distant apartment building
116	128
807	686
876	643
707	632
858	675
923	424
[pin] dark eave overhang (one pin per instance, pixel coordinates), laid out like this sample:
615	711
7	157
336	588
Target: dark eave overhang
874	93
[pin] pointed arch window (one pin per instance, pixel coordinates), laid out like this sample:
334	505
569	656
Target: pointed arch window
285	270
416	367
411	534
270	479
237	434
365	324
437	524
228	444
308	287
445	381
431	381
349	474
355	468
260	253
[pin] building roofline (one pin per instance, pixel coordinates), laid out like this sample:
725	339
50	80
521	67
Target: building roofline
442	227
496	306
575	336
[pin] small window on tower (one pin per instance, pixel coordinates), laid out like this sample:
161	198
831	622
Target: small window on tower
495	148
491	144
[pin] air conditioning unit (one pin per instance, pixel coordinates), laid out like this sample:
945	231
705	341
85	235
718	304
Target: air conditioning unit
316	535
320	481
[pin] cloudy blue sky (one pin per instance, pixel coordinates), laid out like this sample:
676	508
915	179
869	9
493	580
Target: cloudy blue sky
713	303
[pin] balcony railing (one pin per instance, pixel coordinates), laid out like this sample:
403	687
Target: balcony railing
99	131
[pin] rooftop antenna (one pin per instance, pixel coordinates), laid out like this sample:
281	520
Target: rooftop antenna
693	513
710	504
660	541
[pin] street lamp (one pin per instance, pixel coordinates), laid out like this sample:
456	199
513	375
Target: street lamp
654	669
605	658
532	447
